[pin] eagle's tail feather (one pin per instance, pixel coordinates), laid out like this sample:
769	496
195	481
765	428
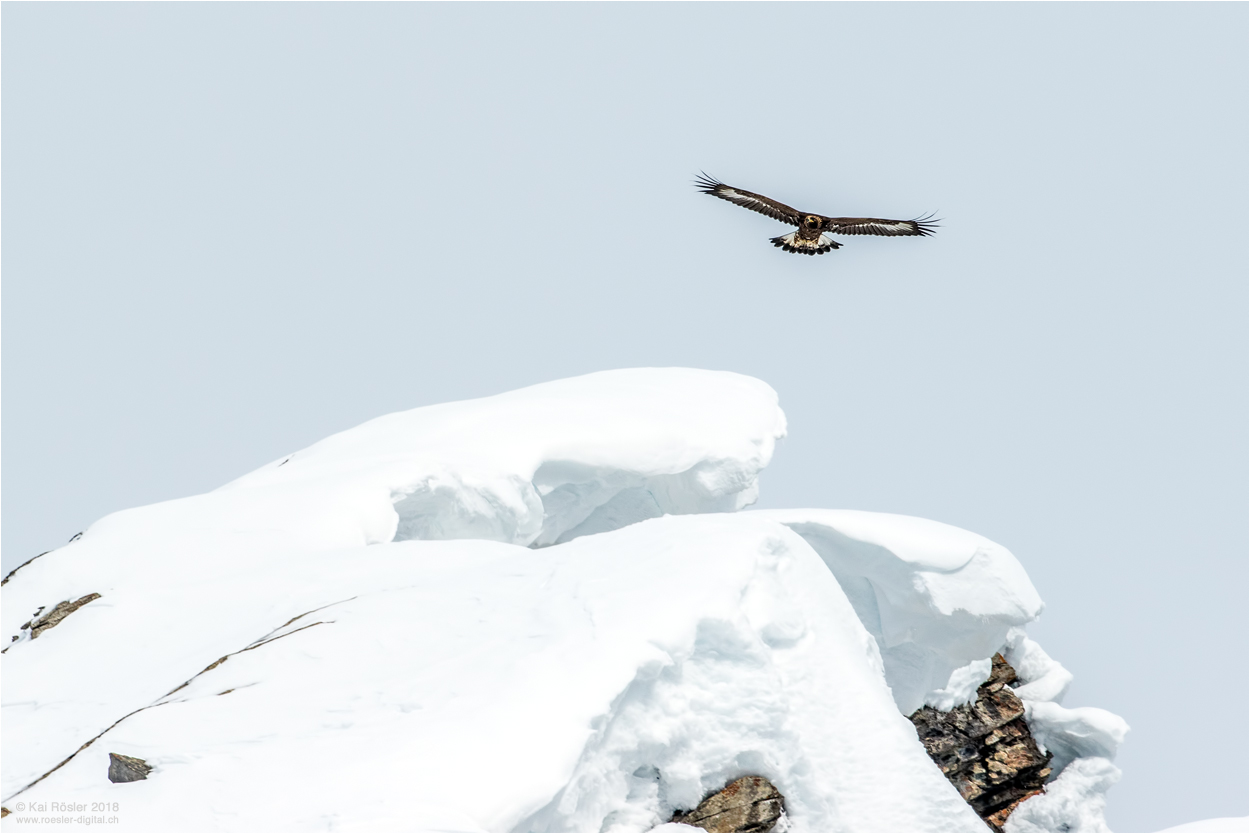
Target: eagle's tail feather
793	243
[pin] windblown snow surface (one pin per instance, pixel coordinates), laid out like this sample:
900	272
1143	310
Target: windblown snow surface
539	611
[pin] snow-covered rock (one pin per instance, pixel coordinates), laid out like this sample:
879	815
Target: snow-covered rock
607	681
536	611
1073	802
1046	679
940	601
540	465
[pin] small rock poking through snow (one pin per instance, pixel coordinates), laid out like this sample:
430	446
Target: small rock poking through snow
748	804
127	768
533	612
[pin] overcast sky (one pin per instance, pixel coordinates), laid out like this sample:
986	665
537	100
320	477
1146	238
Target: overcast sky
232	229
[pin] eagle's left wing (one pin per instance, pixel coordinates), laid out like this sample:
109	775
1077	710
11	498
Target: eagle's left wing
922	226
749	200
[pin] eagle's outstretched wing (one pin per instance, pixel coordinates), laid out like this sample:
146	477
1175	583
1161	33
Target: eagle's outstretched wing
922	226
754	202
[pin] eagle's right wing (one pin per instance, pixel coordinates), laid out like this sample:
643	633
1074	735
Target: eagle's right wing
754	202
922	226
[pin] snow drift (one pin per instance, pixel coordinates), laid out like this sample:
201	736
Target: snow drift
533	612
540	465
935	597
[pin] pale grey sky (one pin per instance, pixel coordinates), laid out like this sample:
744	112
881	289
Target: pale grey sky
232	229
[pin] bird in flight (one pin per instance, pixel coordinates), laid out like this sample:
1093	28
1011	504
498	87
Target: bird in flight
814	233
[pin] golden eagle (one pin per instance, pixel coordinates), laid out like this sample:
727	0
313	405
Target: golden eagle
812	237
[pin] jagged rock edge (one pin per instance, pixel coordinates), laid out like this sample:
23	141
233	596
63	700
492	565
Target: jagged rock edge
1035	774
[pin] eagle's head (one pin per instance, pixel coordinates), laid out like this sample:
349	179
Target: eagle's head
812	222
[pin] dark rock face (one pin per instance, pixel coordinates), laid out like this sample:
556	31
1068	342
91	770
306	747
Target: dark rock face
127	768
985	748
751	803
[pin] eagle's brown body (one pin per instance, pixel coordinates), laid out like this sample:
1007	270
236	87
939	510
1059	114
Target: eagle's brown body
813	236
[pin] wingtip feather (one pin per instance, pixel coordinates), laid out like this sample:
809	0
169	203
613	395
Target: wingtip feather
926	225
706	184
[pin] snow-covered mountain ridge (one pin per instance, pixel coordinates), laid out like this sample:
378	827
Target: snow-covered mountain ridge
537	611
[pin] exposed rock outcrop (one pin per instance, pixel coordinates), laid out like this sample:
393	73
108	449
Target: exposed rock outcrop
985	748
751	803
127	768
37	625
59	612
